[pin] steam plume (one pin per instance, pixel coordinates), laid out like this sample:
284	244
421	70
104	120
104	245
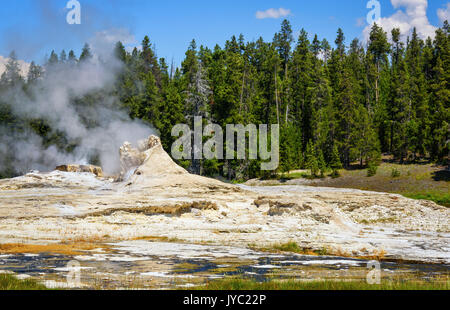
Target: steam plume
52	99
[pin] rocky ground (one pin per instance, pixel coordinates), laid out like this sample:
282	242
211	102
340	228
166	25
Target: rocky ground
158	199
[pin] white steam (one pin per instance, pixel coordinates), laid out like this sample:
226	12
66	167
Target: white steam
52	99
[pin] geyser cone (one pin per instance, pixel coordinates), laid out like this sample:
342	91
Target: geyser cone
157	168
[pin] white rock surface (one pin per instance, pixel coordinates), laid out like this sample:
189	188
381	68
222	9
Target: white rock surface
44	208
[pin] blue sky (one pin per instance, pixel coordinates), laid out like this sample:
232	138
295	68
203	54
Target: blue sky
34	27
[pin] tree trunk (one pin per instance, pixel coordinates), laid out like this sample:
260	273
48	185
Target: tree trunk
242	94
287	91
392	138
276	96
377	92
287	113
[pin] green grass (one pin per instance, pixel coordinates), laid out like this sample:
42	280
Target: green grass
416	181
10	282
438	197
295	248
242	284
288	247
238	181
295	175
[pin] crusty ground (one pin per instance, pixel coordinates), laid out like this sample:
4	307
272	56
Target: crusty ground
161	199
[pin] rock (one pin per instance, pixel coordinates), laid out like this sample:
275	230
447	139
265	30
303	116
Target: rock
281	206
130	158
81	168
149	143
158	170
147	161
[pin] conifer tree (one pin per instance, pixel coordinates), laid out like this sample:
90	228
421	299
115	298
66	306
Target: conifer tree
72	58
335	162
312	159
86	53
11	77
34	73
321	163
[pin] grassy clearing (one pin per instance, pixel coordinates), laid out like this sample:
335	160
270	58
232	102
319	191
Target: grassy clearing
10	283
295	175
438	197
416	181
237	284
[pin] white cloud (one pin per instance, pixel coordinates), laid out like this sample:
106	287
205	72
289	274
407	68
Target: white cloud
444	14
273	13
414	15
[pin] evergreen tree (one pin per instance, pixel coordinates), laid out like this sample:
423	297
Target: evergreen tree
335	162
401	110
340	43
439	106
53	59
312	159
419	127
11	77
378	81
302	88
86	53
173	110
378	48
120	53
283	41
63	57
321	163
72	58
326	49
34	73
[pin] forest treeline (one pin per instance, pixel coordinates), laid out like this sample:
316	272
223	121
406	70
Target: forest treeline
336	106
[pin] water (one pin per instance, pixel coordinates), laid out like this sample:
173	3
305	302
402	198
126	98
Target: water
174	265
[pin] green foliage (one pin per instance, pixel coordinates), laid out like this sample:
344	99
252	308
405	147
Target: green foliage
395	173
288	247
211	167
11	283
348	106
372	169
335	163
440	198
321	163
311	160
294	284
85	55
